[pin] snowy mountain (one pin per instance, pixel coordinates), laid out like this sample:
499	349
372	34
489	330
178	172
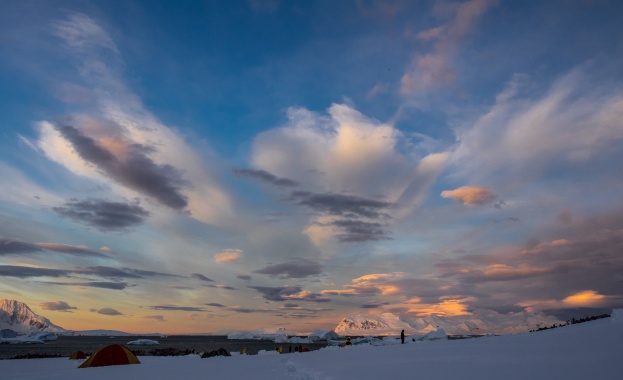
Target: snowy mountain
17	316
479	322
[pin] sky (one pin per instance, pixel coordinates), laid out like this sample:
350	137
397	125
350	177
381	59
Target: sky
237	165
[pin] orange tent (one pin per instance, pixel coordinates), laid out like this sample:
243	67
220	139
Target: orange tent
78	355
114	354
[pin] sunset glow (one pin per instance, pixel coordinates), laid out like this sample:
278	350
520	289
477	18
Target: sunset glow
287	164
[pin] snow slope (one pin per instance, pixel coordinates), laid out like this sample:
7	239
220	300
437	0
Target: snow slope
17	316
589	350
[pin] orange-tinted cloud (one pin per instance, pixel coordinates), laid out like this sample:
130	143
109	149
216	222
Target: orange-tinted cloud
584	298
228	256
543	246
470	195
447	307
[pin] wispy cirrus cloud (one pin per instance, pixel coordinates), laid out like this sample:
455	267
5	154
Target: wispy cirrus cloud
123	145
435	68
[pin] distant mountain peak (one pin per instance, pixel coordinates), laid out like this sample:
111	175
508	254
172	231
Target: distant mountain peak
17	316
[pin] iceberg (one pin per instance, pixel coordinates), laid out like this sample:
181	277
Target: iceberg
144	342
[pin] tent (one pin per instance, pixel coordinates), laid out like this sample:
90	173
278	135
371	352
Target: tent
78	355
114	354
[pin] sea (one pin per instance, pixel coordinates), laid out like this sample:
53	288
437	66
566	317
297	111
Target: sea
66	345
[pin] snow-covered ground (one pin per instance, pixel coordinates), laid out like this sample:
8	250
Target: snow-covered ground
591	350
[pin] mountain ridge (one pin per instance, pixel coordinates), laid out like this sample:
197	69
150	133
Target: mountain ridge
480	322
17	316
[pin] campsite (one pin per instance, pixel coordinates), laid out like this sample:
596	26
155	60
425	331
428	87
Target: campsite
589	350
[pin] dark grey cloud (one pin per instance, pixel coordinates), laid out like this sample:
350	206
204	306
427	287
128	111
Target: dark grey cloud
356	231
222	287
108	311
99	271
201	277
580	256
265	176
176	308
288	293
10	247
215	304
290	305
370	306
293	269
136	171
111	272
159	318
93	284
57	306
342	205
103	215
243	276
71	250
24	272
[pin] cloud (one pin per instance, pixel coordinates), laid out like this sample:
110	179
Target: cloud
119	285
71	249
542	247
126	147
470	195
448	306
214	304
57	306
352	231
288	293
158	318
265	176
12	247
25	272
104	215
81	33
394	284
348	166
300	268
176	308
243	277
134	169
341	204
108	311
584	298
201	277
430	70
227	256
111	272
221	286
527	136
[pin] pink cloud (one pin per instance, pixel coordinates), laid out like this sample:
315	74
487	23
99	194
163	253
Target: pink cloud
470	195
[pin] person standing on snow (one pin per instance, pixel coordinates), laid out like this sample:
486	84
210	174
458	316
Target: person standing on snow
402	336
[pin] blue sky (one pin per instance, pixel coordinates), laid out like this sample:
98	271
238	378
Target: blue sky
248	164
